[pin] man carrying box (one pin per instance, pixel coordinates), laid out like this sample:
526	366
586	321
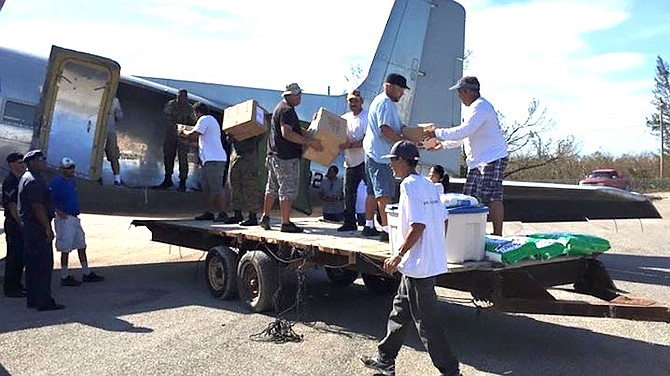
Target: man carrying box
283	161
421	256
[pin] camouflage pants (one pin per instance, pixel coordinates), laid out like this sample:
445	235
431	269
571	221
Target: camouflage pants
245	193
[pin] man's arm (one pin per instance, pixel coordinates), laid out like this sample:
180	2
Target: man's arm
415	232
288	133
41	215
14	211
191	136
388	132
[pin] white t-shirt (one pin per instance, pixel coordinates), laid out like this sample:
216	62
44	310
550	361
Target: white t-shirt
420	203
209	142
356	126
115	113
483	138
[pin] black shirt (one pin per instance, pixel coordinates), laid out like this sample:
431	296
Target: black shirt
279	146
33	189
10	193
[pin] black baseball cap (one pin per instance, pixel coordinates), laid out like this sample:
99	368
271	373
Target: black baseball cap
404	149
397	79
13	157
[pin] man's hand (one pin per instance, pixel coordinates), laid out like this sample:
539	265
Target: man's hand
50	234
61	214
315	144
344	145
391	264
429	132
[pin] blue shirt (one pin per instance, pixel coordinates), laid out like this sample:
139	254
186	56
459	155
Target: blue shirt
382	112
64	194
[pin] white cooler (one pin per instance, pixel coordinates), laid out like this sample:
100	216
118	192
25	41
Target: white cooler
465	234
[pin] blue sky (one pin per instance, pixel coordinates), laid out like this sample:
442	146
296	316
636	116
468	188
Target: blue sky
591	63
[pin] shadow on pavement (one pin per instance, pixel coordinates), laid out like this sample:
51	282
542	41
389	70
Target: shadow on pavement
488	341
653	270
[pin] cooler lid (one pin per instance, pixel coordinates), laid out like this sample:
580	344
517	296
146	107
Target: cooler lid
468	210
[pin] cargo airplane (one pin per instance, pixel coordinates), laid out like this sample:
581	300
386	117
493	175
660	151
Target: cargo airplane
60	105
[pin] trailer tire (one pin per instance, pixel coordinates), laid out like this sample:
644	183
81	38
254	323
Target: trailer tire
380	285
221	272
341	276
257	280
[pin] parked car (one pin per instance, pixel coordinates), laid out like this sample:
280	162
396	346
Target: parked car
606	177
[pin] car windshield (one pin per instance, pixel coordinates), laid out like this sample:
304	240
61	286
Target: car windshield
602	174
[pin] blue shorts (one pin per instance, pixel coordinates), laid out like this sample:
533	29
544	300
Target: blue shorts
486	185
380	176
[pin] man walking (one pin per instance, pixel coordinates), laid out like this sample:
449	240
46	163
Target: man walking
283	160
354	162
36	212
15	262
213	158
384	128
69	233
178	111
485	149
420	257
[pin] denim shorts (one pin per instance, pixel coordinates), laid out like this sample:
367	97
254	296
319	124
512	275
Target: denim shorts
380	176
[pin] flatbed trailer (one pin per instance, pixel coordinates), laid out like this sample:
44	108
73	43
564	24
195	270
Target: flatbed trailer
247	261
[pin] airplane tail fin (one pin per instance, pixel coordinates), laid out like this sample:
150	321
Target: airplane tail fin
423	41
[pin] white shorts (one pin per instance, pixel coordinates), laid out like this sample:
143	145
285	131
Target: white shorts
69	234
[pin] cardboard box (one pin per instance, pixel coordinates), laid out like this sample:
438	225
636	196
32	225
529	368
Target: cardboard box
415	134
331	129
244	120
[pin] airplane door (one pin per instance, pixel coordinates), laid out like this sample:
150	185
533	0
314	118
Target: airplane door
76	100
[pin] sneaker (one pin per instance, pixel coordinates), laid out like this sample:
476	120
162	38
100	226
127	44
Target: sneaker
52	307
69	281
290	227
251	221
369	232
206	216
382	368
92	277
265	222
221	218
119	183
348	227
384	237
167	183
234	220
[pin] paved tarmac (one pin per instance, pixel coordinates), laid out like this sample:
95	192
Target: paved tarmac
154	316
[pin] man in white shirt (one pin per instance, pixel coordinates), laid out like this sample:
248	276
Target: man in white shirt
354	161
421	256
485	149
213	158
112	145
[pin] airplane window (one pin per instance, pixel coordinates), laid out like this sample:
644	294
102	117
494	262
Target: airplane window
19	114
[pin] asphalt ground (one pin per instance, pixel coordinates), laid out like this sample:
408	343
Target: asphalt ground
153	315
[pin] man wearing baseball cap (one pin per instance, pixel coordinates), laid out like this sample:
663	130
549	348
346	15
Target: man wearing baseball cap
354	162
485	149
421	256
286	140
69	233
384	128
36	212
15	262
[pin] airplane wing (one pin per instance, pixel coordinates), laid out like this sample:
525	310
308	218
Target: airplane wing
546	202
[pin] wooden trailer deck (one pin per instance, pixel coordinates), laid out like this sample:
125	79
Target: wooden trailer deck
521	287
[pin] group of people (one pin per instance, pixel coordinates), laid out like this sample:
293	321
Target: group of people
30	205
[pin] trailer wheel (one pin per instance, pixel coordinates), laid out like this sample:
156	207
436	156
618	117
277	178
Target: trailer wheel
341	276
220	272
380	285
258	280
